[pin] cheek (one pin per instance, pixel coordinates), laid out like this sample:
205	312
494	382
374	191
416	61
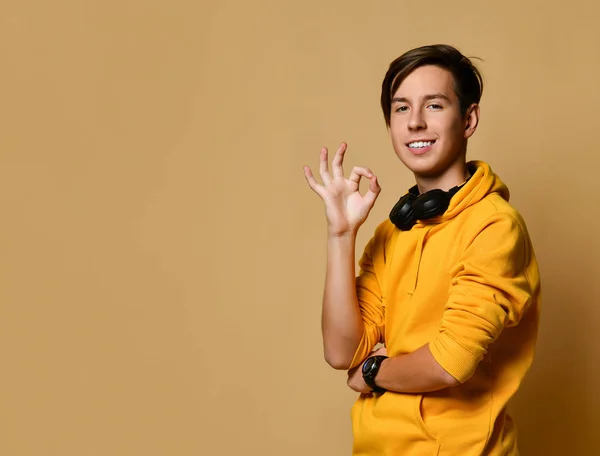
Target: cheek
449	128
397	144
398	138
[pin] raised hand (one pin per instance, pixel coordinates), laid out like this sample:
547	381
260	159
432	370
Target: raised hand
346	209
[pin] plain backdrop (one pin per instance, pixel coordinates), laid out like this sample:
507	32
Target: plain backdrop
162	258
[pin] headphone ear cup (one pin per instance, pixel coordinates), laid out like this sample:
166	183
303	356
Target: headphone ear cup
430	204
402	214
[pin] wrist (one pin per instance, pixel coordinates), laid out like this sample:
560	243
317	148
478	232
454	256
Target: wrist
370	369
346	235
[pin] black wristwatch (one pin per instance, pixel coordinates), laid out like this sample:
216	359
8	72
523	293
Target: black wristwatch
369	371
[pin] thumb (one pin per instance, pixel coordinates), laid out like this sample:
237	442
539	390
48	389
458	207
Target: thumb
373	191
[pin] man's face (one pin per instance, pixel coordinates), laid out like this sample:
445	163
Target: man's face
427	129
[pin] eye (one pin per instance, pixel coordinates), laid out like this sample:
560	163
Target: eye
402	109
434	106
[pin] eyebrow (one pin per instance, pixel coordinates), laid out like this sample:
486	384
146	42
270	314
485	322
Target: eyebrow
433	96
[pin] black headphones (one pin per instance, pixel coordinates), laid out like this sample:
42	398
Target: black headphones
412	206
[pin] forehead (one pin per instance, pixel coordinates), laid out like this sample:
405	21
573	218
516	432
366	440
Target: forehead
426	80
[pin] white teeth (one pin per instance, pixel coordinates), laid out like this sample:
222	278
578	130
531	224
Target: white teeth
420	144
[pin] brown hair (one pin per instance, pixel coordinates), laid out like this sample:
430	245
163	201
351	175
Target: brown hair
468	82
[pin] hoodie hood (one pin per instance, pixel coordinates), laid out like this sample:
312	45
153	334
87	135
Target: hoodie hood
482	183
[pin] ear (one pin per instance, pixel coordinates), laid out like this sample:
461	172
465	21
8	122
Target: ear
471	120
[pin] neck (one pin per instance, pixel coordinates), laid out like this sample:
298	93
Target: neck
453	176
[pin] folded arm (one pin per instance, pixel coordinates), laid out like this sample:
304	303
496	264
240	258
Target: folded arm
416	372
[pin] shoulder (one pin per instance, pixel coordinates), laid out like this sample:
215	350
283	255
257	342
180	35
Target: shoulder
493	210
384	230
381	239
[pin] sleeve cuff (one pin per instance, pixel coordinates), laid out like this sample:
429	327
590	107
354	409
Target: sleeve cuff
453	357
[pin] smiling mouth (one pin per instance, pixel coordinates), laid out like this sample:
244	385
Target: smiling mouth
420	144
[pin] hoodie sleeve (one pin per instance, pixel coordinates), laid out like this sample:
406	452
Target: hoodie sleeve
490	290
370	300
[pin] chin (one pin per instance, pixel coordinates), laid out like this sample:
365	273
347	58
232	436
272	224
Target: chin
424	165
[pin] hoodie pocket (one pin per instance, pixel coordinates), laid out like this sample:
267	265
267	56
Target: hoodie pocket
458	424
420	421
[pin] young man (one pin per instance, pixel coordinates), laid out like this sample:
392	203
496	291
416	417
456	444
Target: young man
449	283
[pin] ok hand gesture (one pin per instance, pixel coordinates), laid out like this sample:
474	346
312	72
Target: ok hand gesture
346	209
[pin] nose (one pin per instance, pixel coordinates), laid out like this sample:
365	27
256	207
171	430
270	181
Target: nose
416	120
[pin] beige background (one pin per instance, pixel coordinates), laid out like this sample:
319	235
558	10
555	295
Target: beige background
162	258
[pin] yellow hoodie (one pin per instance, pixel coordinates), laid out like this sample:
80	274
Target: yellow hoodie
467	284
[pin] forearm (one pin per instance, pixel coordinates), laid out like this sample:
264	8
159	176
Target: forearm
416	372
342	323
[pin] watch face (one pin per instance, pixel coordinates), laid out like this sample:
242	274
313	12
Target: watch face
367	365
